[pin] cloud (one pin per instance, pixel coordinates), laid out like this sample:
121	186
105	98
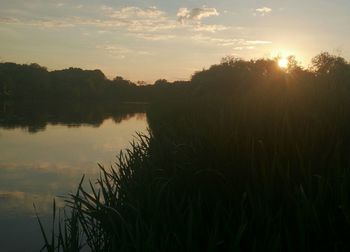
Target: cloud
43	23
135	12
195	14
210	28
241	48
6	20
258	42
236	43
130	18
104	24
134	18
153	37
216	41
147	23
263	11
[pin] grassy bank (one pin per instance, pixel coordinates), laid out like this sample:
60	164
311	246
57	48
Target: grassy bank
260	169
212	177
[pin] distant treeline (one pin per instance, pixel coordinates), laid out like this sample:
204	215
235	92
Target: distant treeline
34	82
232	76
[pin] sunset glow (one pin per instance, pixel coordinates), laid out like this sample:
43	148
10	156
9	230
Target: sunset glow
191	125
283	63
148	40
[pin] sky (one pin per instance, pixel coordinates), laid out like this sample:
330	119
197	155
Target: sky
147	40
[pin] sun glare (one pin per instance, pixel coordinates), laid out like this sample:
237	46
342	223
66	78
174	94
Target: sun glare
283	63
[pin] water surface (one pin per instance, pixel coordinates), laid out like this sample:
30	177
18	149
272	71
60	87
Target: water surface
39	163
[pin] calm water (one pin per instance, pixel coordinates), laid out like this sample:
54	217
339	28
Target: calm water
37	165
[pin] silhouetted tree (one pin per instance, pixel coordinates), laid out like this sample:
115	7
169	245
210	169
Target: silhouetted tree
161	82
232	77
327	64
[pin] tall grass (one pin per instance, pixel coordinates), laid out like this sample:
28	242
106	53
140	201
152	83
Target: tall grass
266	171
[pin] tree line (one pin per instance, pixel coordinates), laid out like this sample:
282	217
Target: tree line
34	82
229	78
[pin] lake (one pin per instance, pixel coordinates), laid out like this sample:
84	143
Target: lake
44	154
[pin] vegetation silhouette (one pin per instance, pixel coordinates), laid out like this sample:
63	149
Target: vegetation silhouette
227	79
33	82
245	157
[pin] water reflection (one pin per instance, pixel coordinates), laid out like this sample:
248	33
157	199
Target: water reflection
47	155
35	116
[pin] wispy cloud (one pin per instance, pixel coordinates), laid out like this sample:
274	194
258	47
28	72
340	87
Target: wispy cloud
6	20
210	28
136	12
258	42
135	18
40	22
153	37
195	14
150	24
132	19
241	48
236	43
130	25
263	11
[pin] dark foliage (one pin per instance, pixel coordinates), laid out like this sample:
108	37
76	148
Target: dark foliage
257	159
33	82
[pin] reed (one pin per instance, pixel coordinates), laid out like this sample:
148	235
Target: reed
266	171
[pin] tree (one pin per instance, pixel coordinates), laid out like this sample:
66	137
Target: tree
327	64
161	82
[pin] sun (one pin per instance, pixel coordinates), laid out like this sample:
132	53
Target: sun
283	62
